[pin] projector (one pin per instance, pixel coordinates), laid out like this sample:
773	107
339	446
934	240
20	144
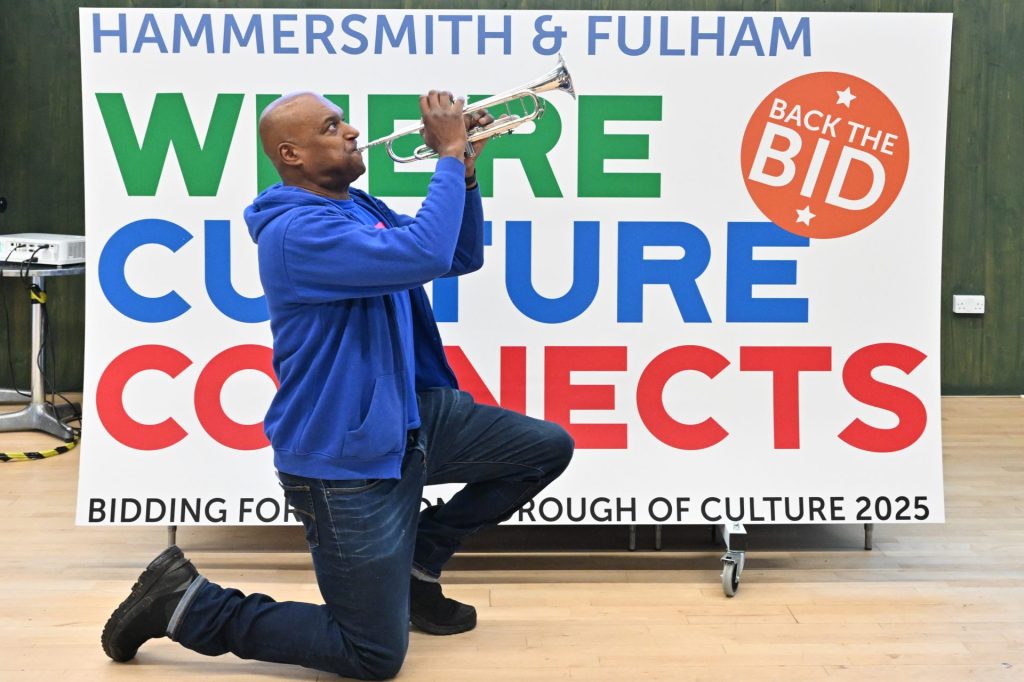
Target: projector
42	249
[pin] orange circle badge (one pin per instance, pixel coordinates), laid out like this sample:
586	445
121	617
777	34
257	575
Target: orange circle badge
825	155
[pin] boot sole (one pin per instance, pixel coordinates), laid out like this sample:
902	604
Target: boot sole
435	629
167	560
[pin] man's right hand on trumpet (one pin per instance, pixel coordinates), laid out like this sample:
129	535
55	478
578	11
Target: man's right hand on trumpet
442	132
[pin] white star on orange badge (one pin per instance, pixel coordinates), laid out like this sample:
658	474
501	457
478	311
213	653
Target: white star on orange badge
804	216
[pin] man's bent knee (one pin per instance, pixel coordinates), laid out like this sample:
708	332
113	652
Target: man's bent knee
562	446
381	666
374	662
384	669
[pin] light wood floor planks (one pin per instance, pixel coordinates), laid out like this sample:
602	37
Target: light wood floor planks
929	603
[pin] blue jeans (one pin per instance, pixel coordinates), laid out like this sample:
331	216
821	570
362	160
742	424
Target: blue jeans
366	536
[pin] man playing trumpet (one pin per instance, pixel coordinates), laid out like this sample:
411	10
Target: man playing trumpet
367	411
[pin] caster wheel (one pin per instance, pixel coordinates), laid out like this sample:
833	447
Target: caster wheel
730	578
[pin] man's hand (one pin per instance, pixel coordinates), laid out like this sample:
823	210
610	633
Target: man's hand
476	119
444	129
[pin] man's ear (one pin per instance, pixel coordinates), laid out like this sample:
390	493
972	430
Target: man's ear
289	154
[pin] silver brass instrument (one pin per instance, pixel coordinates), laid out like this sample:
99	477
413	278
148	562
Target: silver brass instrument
526	95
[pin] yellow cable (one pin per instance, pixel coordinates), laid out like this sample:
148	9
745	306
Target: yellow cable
28	456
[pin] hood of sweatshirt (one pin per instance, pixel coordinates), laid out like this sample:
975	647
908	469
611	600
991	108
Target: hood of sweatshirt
279	199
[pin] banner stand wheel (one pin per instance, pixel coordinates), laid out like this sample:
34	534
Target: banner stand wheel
735	536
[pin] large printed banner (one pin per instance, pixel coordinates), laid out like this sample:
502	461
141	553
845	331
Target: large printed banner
718	266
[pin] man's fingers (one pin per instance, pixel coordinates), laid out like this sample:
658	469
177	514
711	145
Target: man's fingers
441	101
428	102
478	118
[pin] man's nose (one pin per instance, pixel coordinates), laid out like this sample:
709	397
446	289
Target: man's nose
351	132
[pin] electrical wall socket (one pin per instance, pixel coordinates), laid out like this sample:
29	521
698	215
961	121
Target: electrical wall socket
968	305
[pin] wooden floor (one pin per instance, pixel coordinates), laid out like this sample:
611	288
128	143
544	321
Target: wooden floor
931	602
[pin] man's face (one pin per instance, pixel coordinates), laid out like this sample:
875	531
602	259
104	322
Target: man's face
325	143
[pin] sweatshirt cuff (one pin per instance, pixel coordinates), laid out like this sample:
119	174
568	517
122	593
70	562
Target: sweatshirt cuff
451	164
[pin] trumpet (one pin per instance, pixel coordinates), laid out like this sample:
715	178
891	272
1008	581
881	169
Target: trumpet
527	96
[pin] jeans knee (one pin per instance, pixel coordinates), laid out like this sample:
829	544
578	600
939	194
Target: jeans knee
383	662
562	447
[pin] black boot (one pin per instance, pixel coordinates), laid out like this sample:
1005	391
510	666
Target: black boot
435	614
144	615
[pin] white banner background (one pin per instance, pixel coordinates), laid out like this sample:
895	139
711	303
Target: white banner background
878	285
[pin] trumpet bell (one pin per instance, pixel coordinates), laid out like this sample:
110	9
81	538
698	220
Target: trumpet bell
557	79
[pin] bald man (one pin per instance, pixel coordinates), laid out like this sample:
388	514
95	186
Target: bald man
368	411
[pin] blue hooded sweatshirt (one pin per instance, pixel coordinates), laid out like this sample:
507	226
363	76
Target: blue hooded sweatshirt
354	334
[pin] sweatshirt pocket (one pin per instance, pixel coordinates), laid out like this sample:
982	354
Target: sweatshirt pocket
382	431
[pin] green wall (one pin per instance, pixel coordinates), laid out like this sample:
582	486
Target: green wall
983	244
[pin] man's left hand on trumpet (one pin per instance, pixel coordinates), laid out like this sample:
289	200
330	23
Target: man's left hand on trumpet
476	119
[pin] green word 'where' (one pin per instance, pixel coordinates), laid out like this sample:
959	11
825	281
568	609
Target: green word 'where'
202	164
